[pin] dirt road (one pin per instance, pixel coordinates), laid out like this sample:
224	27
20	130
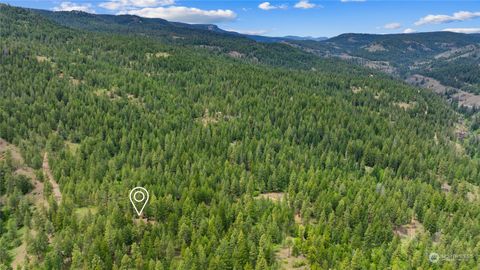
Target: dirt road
48	173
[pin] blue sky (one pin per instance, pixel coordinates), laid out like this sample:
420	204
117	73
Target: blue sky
293	17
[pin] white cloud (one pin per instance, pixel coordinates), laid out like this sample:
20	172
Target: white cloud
129	4
69	6
393	25
457	16
463	30
268	6
409	31
185	14
304	4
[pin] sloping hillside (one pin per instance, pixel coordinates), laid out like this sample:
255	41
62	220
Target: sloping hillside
452	59
243	161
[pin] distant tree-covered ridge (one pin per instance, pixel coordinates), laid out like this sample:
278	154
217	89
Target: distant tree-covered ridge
451	58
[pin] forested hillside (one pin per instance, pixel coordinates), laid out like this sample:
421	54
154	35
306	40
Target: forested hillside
249	165
453	59
155	27
207	37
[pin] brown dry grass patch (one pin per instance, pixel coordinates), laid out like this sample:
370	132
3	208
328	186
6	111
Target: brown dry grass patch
410	230
209	118
287	261
273	196
157	55
405	105
356	89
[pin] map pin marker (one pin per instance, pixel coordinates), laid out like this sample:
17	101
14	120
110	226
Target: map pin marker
139	197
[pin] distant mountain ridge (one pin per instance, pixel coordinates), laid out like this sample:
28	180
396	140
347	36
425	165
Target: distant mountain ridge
121	23
446	62
275	51
450	60
93	22
306	38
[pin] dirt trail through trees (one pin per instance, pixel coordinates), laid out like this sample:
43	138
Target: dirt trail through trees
36	195
48	173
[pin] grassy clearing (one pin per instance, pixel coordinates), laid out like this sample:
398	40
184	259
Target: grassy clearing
273	196
72	147
287	260
409	231
85	211
19	253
